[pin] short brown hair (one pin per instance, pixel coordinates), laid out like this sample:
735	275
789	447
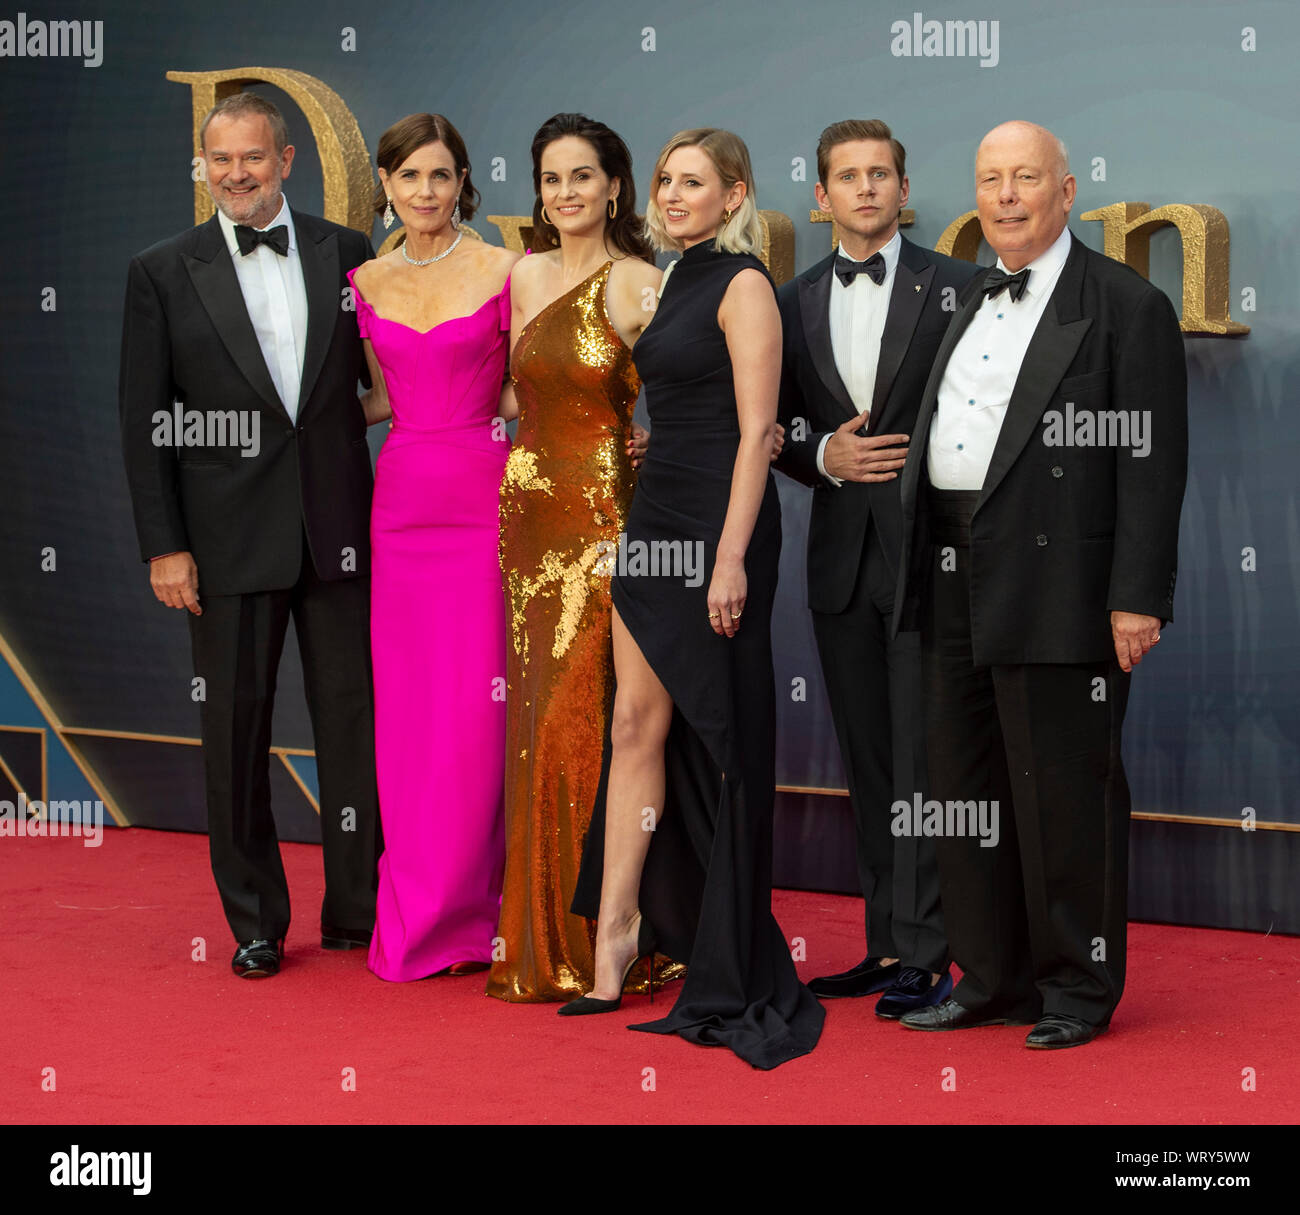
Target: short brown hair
408	136
857	128
240	105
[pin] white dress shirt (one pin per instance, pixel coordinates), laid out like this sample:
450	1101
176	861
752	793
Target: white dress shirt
276	298
981	374
857	320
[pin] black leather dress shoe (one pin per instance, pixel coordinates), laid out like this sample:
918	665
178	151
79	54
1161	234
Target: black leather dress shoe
1055	1031
344	938
912	991
951	1015
257	959
866	978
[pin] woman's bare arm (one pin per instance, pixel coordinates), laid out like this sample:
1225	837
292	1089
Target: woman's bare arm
751	322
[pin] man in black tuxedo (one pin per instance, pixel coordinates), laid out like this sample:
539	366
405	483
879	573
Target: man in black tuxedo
1040	542
256	496
861	330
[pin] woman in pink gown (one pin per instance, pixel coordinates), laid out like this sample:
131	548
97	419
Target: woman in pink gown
435	314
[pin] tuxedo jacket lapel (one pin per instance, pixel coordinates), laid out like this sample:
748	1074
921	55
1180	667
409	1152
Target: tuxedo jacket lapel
815	313
912	278
318	253
1050	352
213	275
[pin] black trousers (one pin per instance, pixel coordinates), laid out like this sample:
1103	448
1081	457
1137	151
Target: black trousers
874	686
237	643
1038	921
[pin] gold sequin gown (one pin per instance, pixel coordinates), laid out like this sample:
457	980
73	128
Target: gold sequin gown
564	499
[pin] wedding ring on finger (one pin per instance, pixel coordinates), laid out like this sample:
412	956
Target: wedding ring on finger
735	615
715	615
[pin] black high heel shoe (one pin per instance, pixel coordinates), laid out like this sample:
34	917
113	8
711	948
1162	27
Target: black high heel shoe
645	948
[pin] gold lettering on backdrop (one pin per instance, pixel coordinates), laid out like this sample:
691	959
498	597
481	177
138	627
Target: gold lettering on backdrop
349	185
961	238
906	218
516	231
344	160
1203	233
777	253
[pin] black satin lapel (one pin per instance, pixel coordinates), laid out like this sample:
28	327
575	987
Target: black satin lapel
320	276
905	304
218	289
815	311
1051	351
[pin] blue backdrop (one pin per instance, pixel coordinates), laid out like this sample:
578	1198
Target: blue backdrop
1159	102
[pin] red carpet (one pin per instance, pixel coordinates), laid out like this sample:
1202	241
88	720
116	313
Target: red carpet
100	986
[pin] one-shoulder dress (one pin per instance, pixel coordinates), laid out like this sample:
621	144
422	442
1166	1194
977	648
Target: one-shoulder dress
564	500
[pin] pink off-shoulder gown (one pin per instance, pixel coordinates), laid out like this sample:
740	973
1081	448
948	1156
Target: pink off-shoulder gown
438	640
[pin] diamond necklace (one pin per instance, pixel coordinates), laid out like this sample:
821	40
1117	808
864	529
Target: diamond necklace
437	257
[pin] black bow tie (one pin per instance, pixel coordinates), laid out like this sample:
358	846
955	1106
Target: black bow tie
1014	283
276	238
846	269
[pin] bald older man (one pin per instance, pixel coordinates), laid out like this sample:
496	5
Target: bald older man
1040	542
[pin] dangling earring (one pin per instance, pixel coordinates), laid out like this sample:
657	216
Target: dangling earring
546	219
389	217
726	218
613	208
455	215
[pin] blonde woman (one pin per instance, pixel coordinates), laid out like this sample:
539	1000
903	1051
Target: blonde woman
680	860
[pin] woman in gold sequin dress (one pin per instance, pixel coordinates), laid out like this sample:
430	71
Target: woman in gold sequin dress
578	303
